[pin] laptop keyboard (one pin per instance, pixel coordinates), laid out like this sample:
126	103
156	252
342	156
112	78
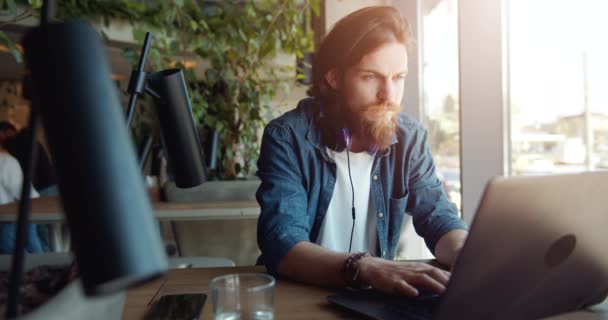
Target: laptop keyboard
419	308
376	305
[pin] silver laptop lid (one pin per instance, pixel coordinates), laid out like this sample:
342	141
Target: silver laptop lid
538	246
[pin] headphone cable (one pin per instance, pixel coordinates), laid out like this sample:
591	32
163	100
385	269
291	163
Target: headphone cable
353	200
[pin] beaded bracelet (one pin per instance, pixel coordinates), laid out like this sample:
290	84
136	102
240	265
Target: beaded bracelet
351	271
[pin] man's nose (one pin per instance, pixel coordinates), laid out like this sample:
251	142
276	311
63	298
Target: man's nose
386	91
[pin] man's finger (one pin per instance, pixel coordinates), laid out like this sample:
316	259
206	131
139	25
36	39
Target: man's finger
439	275
402	287
447	273
424	280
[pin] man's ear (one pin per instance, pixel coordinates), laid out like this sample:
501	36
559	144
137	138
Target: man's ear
333	78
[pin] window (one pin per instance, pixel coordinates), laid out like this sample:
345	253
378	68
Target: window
441	107
558	77
440	112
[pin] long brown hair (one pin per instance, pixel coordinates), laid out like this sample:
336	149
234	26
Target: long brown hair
354	36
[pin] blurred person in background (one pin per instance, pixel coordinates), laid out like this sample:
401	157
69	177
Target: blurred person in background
11	180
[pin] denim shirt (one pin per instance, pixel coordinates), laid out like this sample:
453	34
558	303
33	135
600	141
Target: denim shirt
298	179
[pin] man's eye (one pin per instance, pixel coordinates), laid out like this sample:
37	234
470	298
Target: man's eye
369	77
400	77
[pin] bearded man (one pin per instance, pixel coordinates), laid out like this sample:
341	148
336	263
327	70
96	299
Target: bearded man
340	172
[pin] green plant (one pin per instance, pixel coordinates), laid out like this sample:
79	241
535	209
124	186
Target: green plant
17	14
238	39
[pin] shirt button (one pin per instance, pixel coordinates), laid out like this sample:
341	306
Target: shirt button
380	215
375	177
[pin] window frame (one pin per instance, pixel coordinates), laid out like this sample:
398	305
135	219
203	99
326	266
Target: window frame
483	76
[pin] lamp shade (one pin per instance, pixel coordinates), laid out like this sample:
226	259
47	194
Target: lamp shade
180	136
114	235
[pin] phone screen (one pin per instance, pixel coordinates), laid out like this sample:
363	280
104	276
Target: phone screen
178	306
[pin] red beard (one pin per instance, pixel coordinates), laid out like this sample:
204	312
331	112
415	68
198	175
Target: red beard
376	124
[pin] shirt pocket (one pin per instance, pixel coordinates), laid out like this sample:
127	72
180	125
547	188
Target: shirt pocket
398	205
397	208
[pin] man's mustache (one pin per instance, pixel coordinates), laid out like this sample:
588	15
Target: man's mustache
384	106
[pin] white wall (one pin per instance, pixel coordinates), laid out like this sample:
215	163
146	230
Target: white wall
337	9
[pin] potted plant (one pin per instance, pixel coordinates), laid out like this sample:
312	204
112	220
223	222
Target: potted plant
238	43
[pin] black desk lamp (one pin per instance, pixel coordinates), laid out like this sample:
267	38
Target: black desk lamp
179	134
181	140
116	241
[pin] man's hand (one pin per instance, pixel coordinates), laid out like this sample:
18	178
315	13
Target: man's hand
394	277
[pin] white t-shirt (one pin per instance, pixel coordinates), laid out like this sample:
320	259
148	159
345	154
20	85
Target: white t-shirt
11	179
336	228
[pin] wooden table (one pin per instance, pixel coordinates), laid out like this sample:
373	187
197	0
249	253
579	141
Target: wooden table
292	300
50	210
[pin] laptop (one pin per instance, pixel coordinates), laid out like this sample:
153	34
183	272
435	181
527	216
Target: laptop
538	246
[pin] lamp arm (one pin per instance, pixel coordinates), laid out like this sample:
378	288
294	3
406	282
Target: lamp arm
16	274
137	83
17	263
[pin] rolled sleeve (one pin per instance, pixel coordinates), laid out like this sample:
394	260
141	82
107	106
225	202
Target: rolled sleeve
282	197
432	213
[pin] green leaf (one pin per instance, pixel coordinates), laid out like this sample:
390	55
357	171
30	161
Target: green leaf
139	34
12	7
130	55
250	11
154	55
211	75
174	46
193	25
242	35
11	46
35	4
204	24
170	15
229	153
316	7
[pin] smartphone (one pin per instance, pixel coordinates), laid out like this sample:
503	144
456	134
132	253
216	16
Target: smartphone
178	307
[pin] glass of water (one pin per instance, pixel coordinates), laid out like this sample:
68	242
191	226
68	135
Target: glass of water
243	296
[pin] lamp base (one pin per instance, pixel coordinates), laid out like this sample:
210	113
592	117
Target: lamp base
71	303
213	191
